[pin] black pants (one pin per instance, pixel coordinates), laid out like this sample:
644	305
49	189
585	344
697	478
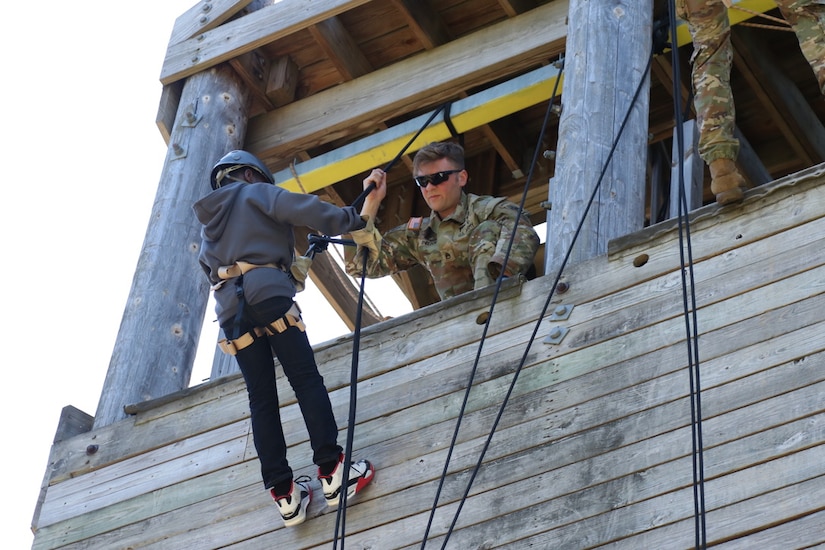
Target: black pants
295	354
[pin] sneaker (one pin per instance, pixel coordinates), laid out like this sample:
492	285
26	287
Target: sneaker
293	507
360	474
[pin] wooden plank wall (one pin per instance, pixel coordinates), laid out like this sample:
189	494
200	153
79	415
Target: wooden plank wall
593	448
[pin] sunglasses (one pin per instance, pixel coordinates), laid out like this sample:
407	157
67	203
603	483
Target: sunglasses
436	179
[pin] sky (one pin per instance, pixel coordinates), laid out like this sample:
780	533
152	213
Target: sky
78	105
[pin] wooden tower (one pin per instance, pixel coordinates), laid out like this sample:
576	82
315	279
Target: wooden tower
572	419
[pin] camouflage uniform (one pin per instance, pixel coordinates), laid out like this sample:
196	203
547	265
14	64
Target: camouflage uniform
462	252
710	30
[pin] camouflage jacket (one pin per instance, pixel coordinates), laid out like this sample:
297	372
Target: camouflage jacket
462	252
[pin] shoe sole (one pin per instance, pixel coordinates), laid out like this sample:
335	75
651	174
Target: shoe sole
363	481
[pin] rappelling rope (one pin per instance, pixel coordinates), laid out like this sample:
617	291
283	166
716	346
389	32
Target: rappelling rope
539	321
547	303
341	516
689	307
499	281
322	241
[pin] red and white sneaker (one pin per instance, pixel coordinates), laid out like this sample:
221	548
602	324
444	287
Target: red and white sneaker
293	507
360	474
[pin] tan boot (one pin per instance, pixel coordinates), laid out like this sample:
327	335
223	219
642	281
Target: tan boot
726	181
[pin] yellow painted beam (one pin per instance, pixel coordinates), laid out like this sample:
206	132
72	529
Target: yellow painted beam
740	10
379	149
499	101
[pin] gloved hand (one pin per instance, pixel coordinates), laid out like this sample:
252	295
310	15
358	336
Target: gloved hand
368	237
299	270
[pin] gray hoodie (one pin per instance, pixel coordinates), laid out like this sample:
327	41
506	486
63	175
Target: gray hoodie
252	222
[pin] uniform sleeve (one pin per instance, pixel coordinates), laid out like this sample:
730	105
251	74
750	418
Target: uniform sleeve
397	252
525	245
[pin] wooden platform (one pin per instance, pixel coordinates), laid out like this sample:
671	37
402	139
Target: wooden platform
593	448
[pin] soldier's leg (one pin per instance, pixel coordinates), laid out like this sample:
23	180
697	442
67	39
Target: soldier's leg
713	99
807	17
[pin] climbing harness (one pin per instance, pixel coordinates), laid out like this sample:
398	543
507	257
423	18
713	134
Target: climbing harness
292	318
226	272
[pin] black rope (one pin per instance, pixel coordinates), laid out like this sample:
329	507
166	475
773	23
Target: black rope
691	330
541	316
318	243
448	121
341	517
362	197
474	369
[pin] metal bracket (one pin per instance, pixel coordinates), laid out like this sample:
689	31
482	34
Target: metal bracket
556	335
191	118
561	313
178	151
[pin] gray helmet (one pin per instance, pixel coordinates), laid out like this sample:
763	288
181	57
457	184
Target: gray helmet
238	159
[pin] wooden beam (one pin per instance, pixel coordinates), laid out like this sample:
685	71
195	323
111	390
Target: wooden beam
515	7
380	148
204	16
340	48
781	98
425	23
740	10
167	109
246	34
431	30
253	68
416	83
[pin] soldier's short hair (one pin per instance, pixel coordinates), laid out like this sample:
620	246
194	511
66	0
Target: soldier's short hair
438	150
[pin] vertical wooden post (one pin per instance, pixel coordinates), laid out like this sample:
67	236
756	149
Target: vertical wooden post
694	169
158	337
608	48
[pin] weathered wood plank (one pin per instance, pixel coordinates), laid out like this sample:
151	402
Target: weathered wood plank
418	82
193	457
603	313
246	34
599	412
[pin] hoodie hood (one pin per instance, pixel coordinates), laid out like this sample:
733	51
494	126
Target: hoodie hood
213	210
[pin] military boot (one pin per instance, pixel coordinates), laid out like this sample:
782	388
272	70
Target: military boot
726	181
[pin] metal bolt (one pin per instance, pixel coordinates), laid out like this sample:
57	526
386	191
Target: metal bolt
555	333
91	449
561	310
549	155
562	287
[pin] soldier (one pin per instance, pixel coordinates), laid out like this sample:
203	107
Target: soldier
247	254
464	240
710	30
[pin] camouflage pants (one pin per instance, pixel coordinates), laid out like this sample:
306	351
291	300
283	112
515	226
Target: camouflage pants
712	57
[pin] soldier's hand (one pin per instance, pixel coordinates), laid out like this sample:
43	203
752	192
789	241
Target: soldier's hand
373	201
299	270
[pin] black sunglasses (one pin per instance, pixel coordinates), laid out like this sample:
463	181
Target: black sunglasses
436	179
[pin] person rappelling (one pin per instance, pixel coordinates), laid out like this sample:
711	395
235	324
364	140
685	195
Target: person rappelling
247	252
